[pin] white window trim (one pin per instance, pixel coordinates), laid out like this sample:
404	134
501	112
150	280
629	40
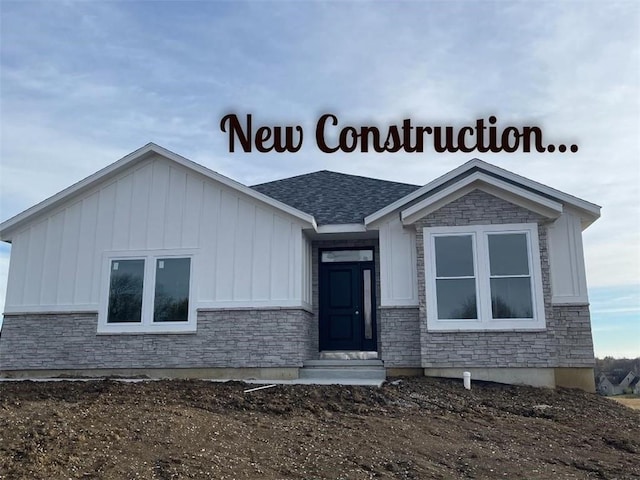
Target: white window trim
148	293
485	322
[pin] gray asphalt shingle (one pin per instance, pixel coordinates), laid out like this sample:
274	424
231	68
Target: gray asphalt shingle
335	198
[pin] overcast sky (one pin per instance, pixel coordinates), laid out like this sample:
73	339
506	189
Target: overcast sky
85	83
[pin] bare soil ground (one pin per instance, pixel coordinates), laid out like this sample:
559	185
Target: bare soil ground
417	429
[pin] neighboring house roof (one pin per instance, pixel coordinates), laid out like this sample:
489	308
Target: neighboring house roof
336	198
9	226
634	382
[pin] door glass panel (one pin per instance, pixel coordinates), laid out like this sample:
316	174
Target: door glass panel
511	297
454	256
125	291
171	302
366	287
347	256
456	298
508	254
340	289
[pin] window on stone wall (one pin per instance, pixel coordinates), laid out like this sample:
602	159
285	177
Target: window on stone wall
148	293
483	277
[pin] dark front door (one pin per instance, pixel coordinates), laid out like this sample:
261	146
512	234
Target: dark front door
347	306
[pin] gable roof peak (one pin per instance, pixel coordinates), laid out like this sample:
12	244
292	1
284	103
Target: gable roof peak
126	162
487	172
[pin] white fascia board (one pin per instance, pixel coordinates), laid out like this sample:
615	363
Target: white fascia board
135	156
417	193
588	209
509	192
342	228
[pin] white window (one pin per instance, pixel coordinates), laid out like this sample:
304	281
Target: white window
148	292
483	277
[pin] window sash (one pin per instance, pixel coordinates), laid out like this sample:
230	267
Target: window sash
447	308
172	306
125	305
506	307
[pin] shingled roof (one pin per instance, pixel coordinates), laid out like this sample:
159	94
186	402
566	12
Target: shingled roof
335	198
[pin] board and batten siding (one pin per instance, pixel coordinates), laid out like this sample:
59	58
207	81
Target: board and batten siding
246	253
398	273
568	277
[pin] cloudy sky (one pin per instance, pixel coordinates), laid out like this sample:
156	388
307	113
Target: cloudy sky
85	83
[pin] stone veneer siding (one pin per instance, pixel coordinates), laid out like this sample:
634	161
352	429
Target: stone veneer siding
400	333
566	341
232	338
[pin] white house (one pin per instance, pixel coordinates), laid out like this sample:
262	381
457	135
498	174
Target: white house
157	265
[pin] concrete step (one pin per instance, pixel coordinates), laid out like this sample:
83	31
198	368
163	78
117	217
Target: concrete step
348	355
331	373
343	369
343	363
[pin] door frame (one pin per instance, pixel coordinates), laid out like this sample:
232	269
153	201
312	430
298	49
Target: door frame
365	344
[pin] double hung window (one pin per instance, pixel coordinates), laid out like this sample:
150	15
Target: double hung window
483	277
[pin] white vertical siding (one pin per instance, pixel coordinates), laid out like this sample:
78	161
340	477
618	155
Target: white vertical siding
69	254
247	253
193	212
122	213
86	276
307	280
243	259
261	265
568	277
208	238
398	271
157	204
17	268
225	253
51	262
280	251
140	197
35	263
174	211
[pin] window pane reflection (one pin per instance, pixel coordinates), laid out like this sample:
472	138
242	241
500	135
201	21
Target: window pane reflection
171	302
456	298
125	291
511	298
508	254
454	256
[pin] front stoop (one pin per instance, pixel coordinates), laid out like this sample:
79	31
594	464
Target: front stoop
343	370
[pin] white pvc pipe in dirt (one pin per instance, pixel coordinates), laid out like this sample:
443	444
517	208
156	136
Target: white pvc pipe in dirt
466	376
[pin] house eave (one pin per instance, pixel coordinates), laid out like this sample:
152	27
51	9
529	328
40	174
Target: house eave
589	212
480	181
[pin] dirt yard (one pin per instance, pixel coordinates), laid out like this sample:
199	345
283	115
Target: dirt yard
416	429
